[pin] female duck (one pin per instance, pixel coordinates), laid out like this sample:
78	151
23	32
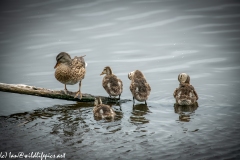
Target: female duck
70	71
139	87
185	94
101	110
111	83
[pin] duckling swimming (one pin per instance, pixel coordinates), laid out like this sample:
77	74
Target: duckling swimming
185	94
101	110
111	83
139	87
70	71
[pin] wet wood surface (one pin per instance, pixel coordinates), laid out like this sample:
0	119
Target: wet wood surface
57	94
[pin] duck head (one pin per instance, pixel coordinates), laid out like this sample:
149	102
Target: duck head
130	75
107	70
184	78
135	74
64	58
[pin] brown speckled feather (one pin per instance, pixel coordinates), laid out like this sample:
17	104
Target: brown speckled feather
71	74
103	111
112	85
185	94
138	74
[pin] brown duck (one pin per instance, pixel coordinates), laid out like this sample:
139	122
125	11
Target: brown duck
101	110
185	94
70	71
139	87
111	83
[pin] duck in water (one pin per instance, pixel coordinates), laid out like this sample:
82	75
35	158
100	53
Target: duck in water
185	94
101	110
139	87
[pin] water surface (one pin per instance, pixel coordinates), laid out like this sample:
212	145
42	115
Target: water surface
160	38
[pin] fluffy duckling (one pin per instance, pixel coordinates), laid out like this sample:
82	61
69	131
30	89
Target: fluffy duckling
185	94
101	110
139	87
70	71
111	83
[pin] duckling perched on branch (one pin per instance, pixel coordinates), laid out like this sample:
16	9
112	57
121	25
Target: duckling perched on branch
111	83
139	87
70	71
185	94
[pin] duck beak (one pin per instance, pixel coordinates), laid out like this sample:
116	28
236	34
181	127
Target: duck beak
129	77
101	73
56	65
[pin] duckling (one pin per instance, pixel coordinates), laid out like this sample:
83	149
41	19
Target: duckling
70	71
185	94
101	110
139	87
111	83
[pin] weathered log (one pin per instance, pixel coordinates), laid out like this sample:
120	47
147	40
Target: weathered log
43	92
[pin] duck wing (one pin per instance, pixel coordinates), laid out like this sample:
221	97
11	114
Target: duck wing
79	61
112	84
140	87
185	91
78	67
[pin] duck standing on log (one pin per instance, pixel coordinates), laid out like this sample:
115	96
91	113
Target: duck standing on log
111	83
139	87
185	94
70	71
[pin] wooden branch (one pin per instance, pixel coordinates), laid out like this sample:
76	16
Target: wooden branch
42	92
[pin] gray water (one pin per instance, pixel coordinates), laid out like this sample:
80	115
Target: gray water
162	38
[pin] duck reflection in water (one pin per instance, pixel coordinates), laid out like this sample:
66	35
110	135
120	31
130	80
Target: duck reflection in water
138	113
66	120
185	111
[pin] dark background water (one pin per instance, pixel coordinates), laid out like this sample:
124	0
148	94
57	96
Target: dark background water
162	38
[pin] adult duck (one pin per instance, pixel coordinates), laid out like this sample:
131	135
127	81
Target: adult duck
70	71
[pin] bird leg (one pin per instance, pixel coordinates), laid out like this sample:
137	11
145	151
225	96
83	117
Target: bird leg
146	102
119	96
120	107
65	89
79	91
133	101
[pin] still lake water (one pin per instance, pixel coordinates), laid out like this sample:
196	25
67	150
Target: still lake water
162	38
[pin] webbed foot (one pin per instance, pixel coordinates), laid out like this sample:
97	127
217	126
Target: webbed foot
78	95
